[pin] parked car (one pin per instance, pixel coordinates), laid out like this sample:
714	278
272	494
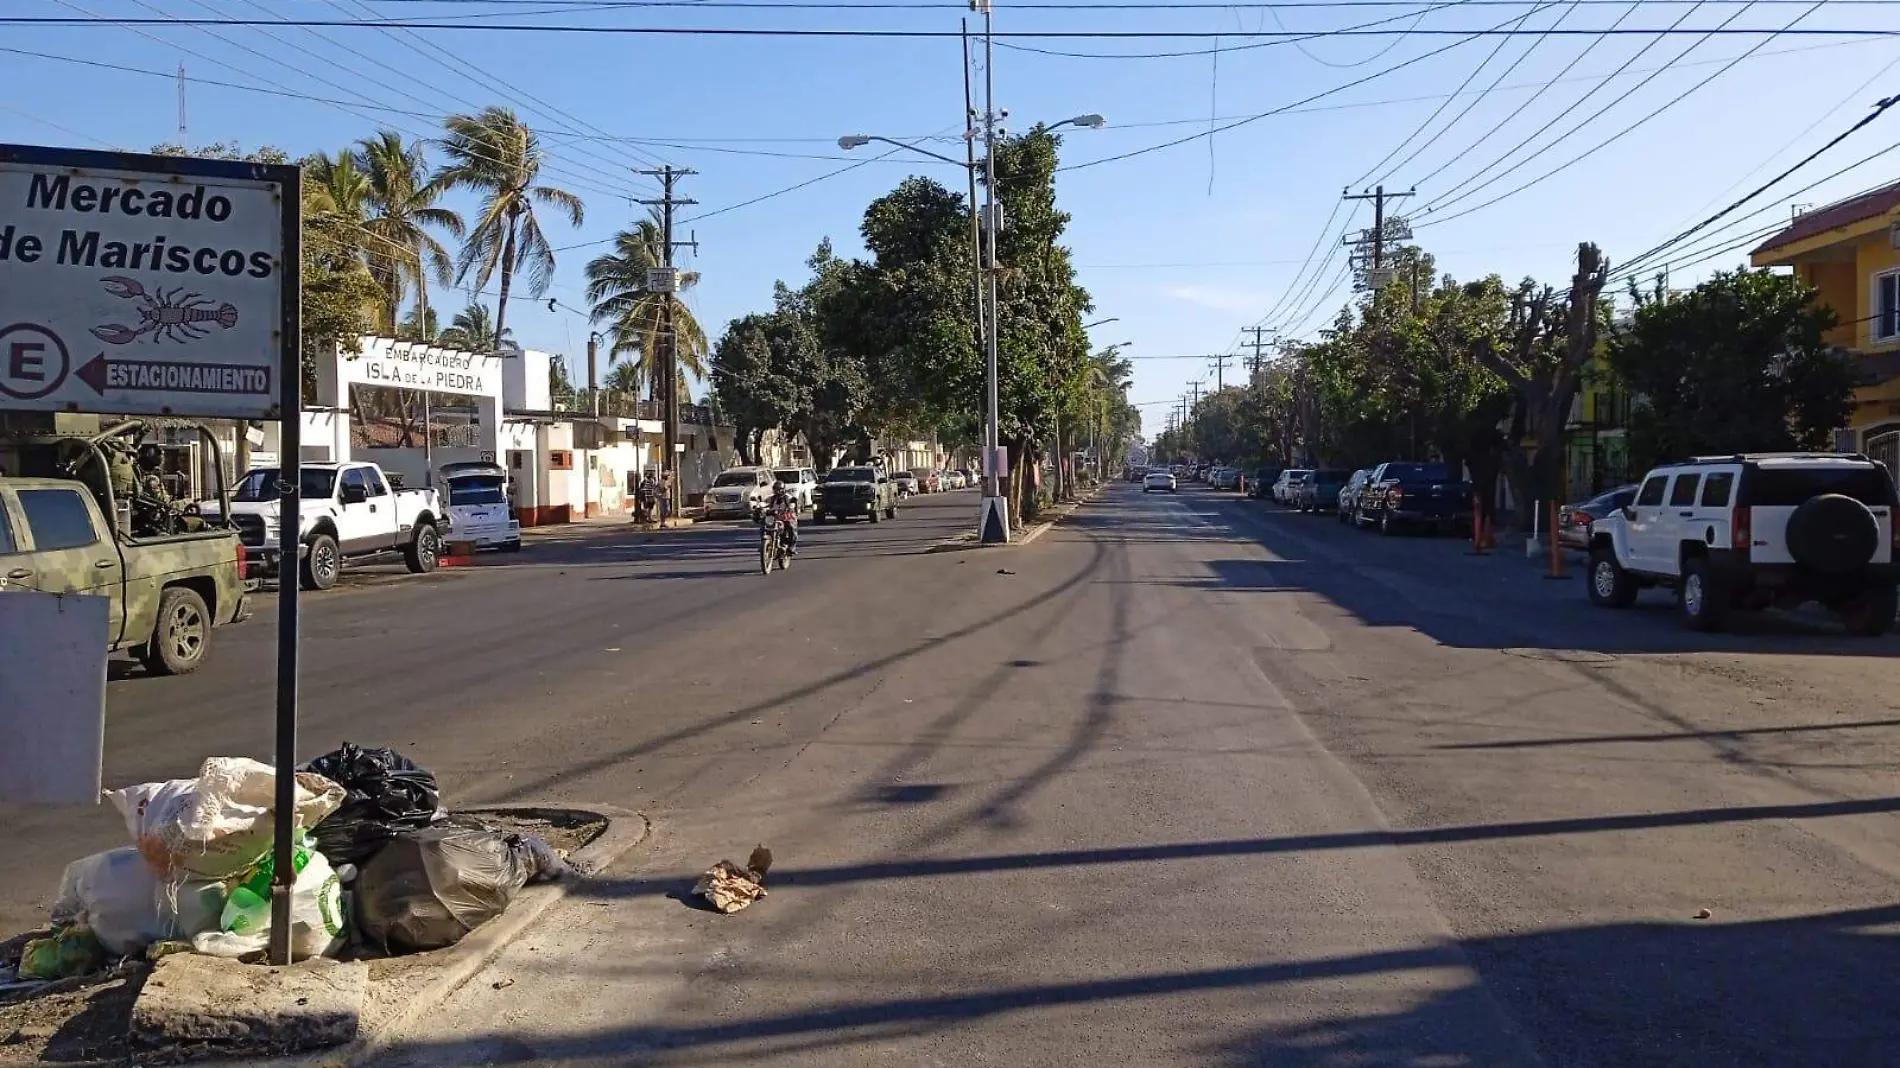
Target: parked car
1574	520
1283	486
476	509
1348	504
907	483
1225	478
1264	479
971	479
1400	496
739	491
955	480
800	482
1160	480
348	512
1319	490
930	480
1754	532
165	594
861	490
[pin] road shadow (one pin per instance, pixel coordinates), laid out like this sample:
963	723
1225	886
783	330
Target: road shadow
1492	602
1796	991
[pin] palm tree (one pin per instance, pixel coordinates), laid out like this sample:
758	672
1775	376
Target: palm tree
339	187
473	330
617	285
496	155
402	206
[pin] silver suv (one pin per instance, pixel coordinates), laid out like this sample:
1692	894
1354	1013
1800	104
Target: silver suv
1756	531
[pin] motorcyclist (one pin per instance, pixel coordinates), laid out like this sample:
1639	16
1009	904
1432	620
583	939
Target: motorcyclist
785	507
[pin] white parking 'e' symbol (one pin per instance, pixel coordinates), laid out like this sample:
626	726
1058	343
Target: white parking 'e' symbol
33	361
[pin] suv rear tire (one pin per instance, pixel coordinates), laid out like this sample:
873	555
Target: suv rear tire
1872	613
1610	585
1703	601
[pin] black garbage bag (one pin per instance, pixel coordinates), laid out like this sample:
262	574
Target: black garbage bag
426	889
386	794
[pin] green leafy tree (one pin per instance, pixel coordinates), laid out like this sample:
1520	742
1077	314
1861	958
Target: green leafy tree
616	284
1736	364
499	158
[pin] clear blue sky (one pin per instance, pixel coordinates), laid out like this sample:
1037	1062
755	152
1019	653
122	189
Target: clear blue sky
1183	245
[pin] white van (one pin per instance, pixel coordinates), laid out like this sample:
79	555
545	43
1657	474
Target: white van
476	499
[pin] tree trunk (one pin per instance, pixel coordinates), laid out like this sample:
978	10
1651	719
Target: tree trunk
507	278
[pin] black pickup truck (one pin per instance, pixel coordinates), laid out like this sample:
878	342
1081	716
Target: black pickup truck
1399	496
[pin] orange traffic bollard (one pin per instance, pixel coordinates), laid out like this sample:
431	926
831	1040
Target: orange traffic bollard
1478	547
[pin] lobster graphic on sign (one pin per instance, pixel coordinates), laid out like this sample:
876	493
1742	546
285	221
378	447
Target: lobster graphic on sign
172	316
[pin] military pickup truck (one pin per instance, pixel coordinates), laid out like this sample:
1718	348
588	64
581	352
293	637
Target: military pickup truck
166	592
865	490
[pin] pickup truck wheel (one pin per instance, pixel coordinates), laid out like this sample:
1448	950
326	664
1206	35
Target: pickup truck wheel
425	549
1872	614
1704	603
181	636
1387	528
322	560
1610	585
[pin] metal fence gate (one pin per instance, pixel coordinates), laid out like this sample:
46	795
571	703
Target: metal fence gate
1886	449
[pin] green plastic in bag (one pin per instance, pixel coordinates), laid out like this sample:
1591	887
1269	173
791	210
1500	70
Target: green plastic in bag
248	908
71	951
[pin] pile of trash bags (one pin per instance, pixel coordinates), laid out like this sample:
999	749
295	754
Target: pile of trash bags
380	867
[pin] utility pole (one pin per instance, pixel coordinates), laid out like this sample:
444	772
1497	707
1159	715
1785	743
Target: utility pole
1196	387
1376	236
1220	366
995	518
181	105
666	282
1255	361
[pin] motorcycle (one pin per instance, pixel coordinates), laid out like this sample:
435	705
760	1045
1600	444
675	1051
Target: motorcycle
774	551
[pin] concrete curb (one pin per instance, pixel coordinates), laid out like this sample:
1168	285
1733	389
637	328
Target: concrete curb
466	959
967	541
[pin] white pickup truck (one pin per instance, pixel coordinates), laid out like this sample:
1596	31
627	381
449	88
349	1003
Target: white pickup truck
349	512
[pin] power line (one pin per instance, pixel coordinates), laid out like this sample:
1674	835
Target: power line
1445	197
1115	5
1433	117
1879	110
1613	138
878	34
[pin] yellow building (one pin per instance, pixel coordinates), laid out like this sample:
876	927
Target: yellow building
1850	253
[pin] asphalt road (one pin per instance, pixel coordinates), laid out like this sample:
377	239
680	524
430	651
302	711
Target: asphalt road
1203	782
496	677
1189	781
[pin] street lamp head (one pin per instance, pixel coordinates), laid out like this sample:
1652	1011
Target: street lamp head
1090	121
851	141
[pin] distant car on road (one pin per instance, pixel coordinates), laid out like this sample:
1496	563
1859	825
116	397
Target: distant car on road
801	483
865	491
1348	501
930	480
1403	495
1261	485
955	480
1318	490
1283	486
477	506
1224	478
907	484
970	478
1160	480
738	492
1574	520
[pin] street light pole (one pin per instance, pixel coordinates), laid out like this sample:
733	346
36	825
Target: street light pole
995	516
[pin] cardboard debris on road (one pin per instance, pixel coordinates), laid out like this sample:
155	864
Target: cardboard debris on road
729	888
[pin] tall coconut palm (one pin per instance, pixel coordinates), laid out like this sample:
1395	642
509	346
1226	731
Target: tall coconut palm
339	187
497	156
473	330
401	208
616	284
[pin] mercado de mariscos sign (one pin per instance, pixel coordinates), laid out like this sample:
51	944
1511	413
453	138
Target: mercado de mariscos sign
141	285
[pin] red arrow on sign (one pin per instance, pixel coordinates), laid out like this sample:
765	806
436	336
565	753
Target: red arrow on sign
161	376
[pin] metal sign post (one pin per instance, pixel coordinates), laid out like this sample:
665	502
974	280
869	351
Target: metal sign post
165	285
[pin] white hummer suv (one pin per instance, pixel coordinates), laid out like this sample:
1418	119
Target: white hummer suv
1756	531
